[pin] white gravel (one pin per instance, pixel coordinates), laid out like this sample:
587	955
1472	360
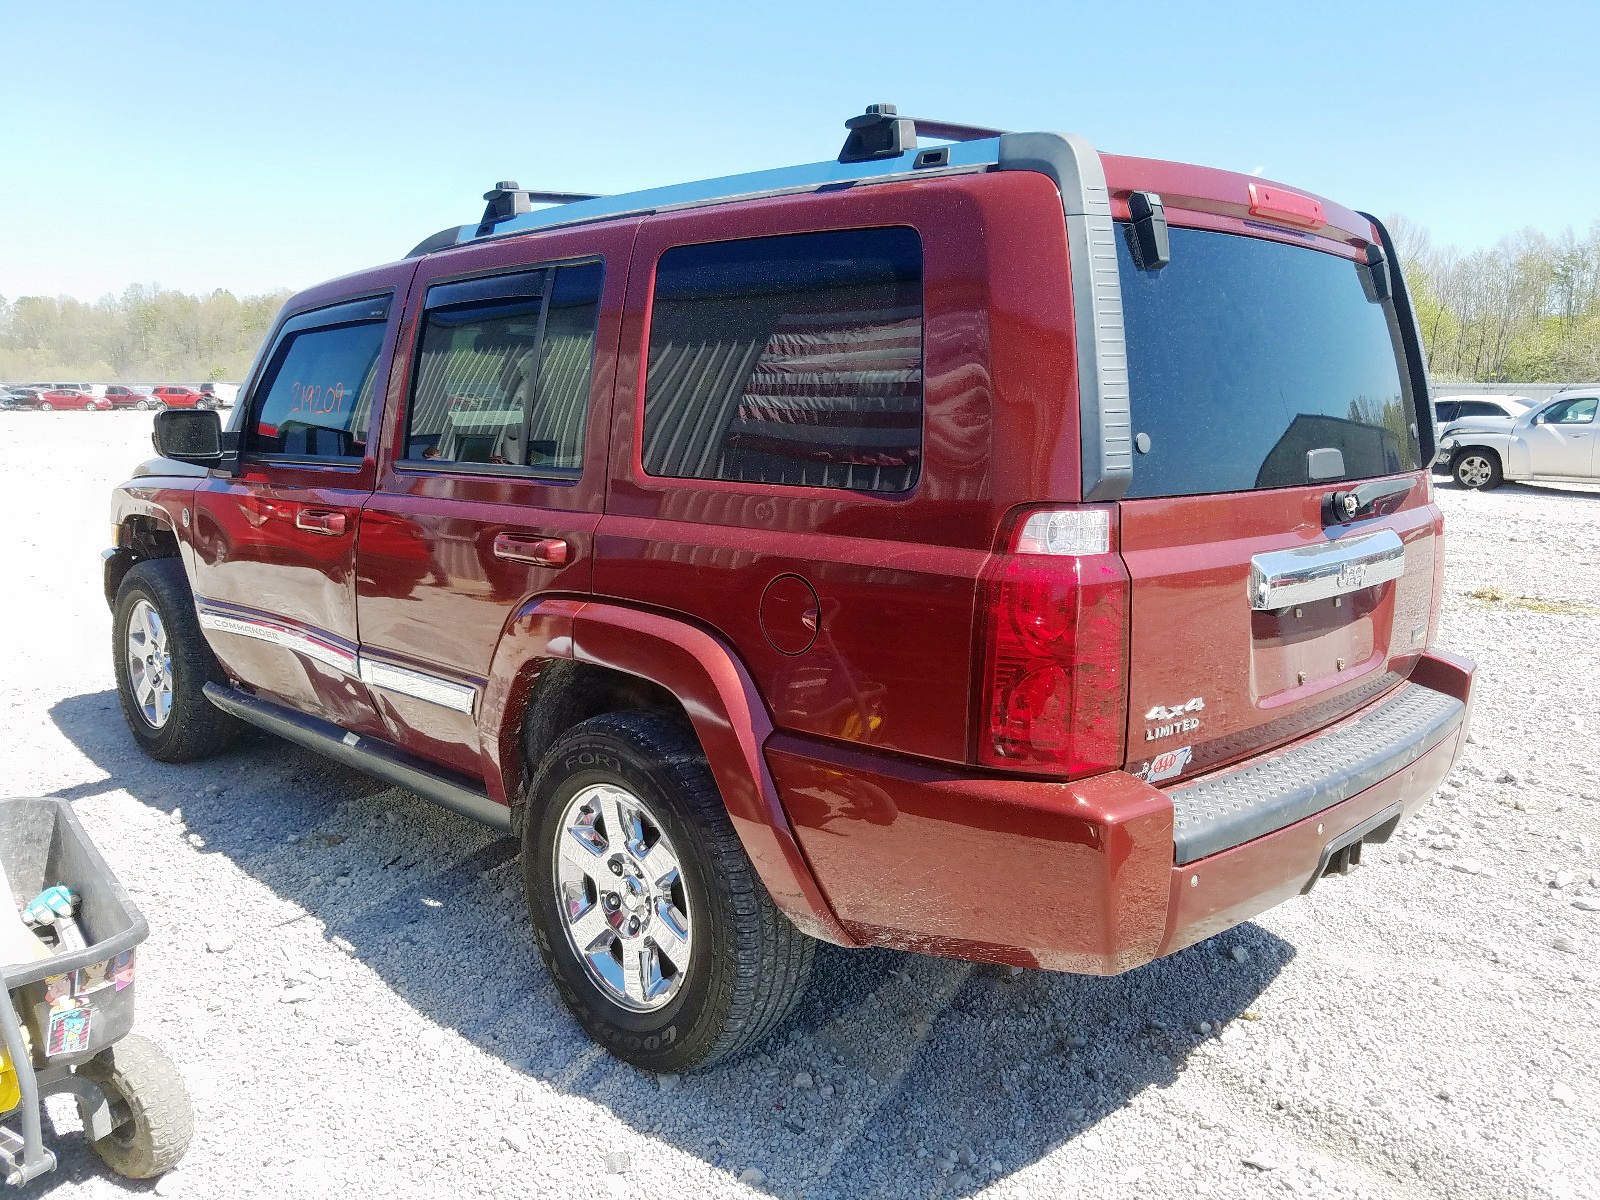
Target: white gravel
346	977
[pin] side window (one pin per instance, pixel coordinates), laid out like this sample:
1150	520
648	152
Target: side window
788	360
1446	411
1477	408
503	371
1577	411
316	398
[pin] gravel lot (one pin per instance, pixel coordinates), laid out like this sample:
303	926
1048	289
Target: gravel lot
346	975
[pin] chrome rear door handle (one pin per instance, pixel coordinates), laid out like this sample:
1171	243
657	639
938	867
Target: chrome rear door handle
541	551
320	520
1280	578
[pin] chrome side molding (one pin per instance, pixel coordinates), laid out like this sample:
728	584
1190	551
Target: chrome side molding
1280	578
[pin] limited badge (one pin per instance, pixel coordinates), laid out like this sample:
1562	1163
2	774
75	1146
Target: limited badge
1165	766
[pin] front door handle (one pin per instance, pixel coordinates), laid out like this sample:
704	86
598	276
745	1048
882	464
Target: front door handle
541	551
320	520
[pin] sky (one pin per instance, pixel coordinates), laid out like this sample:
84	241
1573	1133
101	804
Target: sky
254	146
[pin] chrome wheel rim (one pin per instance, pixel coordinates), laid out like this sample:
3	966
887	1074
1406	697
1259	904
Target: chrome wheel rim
621	897
1474	471
149	664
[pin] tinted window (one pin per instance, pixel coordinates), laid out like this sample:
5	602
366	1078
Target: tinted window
319	400
794	360
505	381
1244	355
1448	411
1481	408
1577	411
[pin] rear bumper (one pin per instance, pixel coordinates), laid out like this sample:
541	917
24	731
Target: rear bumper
1086	876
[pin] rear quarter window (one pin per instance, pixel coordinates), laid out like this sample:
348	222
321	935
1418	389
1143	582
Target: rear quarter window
1244	355
788	360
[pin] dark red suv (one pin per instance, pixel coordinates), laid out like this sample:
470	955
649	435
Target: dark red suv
994	549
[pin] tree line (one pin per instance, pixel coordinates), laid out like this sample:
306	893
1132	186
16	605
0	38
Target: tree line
1526	309
145	335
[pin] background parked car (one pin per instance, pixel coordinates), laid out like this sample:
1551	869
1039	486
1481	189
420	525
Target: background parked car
1451	408
24	397
122	396
1554	442
69	398
88	389
184	397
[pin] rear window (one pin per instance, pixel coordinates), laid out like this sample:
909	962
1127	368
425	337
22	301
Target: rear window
1245	355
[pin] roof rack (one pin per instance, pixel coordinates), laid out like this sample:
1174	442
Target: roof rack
508	199
881	132
881	147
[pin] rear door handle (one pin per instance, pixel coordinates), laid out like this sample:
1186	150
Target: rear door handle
320	520
541	551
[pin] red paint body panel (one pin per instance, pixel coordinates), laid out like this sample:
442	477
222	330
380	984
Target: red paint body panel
1064	876
251	550
432	591
995	292
1193	633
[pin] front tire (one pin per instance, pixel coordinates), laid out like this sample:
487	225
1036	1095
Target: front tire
1477	470
150	1111
163	664
656	929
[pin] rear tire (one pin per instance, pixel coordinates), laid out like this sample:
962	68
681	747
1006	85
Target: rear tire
150	1111
744	965
46	406
165	706
1477	470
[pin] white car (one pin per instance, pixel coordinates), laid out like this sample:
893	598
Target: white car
1554	441
1452	408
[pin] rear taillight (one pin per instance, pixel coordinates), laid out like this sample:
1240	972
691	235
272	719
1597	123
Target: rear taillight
1055	674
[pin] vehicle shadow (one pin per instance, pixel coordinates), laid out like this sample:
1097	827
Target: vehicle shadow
897	1046
1555	491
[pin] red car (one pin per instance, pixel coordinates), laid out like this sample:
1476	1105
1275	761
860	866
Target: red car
184	397
996	549
69	398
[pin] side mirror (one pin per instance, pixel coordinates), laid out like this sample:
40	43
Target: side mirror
191	435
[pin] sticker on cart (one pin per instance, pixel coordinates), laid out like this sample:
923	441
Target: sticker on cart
1165	766
92	977
122	969
69	1029
57	988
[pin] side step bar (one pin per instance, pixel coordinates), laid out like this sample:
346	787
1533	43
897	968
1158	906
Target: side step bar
370	755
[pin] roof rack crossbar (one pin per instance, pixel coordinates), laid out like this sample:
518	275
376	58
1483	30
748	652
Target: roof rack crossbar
881	132
508	199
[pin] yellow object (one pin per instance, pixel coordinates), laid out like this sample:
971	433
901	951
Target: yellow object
10	1091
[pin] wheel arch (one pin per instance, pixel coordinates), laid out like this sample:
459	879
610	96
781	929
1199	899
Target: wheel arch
143	530
561	661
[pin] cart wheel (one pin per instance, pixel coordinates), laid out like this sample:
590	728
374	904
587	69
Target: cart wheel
150	1114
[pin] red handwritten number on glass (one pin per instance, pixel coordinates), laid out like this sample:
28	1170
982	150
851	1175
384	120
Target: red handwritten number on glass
314	398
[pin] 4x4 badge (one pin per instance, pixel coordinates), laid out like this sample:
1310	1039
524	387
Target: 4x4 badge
1174	719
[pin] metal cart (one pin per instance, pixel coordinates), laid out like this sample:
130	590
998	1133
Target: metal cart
66	1028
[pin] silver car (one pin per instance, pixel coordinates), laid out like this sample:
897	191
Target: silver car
1554	441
